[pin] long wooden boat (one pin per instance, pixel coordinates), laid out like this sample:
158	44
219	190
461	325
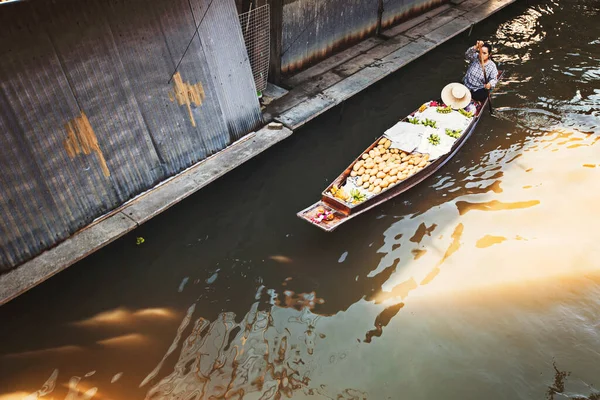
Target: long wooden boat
339	211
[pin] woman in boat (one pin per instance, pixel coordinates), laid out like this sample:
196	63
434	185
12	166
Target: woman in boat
478	81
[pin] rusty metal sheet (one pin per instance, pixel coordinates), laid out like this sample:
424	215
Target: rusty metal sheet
314	29
38	201
183	130
229	64
88	117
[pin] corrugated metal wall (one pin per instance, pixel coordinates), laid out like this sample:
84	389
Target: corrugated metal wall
314	29
88	117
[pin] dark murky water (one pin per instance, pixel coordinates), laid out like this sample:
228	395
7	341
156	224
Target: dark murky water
483	282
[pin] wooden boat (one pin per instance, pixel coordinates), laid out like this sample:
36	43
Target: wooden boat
341	211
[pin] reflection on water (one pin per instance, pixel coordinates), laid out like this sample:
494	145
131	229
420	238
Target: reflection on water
555	220
489	240
46	389
282	351
133	339
470	286
121	316
494	205
557	389
267	355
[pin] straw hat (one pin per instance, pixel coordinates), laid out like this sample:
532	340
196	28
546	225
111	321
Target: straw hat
456	95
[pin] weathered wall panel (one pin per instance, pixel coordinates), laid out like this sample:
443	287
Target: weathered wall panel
37	103
229	74
177	141
88	117
314	29
98	80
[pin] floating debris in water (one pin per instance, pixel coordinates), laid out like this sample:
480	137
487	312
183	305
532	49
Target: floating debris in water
213	277
281	259
343	257
116	377
182	284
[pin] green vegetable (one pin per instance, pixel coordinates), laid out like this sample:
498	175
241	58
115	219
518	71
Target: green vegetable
430	122
467	114
414	120
434	139
453	133
357	196
444	110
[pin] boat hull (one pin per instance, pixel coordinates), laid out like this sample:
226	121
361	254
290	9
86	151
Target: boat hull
343	212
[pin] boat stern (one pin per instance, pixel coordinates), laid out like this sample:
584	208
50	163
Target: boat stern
323	216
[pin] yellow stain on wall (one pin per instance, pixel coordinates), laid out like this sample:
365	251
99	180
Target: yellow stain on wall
82	139
188	94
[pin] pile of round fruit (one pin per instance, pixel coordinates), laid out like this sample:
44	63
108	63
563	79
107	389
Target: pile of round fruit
383	167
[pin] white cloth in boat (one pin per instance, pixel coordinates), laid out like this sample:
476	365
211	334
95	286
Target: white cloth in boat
350	185
435	151
453	120
405	136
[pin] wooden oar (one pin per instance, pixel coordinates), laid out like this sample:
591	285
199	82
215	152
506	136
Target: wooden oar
485	79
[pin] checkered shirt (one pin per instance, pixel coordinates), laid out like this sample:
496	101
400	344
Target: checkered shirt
474	77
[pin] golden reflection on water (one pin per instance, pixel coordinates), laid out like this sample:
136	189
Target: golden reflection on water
121	316
14	396
452	248
49	352
133	339
81	392
489	240
531	234
281	259
108	317
269	354
494	205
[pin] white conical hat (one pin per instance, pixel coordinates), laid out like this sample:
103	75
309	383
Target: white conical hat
456	95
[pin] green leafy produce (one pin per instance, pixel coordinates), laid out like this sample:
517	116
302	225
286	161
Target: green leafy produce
444	110
453	133
467	114
357	196
430	122
434	139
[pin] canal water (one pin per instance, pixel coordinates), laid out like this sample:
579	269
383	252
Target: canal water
482	282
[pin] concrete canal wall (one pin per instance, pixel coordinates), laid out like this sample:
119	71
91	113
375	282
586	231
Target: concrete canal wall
96	107
88	121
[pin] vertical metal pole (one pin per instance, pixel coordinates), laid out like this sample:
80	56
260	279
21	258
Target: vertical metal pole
276	8
379	17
